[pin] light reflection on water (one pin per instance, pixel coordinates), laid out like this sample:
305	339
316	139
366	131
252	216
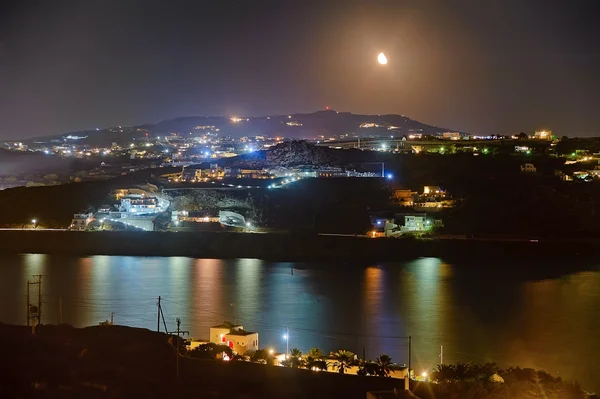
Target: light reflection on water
477	313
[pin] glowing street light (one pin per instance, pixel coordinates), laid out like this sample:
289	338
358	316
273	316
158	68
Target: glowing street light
286	336
382	59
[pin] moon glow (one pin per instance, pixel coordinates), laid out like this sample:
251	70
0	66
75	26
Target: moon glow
382	59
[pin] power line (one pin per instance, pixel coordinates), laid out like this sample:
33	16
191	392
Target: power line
302	329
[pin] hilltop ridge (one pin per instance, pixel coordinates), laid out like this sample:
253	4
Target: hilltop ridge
315	125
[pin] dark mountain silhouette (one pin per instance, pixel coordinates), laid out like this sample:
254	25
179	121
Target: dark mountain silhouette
310	126
314	125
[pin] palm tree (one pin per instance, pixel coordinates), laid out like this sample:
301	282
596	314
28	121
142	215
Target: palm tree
484	371
315	364
342	360
443	373
463	371
294	359
316	353
315	360
367	367
384	363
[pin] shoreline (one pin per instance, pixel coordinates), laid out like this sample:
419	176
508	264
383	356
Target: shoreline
288	247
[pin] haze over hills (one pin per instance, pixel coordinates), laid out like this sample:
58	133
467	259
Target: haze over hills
315	125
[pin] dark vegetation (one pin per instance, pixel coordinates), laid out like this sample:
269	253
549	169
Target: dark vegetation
54	206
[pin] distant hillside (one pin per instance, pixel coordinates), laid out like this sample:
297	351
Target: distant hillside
321	123
311	126
296	153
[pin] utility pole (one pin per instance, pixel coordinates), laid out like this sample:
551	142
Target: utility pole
158	311
160	315
112	318
28	305
39	276
179	331
442	354
409	353
34	313
60	310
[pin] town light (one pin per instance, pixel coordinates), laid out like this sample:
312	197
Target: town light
389	176
424	374
270	351
285	337
34	221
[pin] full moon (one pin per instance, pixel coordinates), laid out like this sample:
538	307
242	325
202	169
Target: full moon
382	59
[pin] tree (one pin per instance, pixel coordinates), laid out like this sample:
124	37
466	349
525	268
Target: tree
261	356
315	360
342	360
316	353
522	136
484	371
294	360
444	373
210	351
384	364
462	371
367	367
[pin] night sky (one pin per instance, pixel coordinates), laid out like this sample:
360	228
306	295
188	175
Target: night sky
479	66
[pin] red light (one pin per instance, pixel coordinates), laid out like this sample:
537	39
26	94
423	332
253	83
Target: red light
327	108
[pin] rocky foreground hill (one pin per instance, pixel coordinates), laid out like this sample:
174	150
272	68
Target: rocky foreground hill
295	153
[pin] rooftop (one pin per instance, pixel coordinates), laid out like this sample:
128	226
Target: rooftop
240	332
227	324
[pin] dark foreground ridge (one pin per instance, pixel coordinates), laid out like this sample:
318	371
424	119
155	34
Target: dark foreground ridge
287	247
125	362
110	361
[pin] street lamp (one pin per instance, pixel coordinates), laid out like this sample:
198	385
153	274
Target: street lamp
33	222
286	336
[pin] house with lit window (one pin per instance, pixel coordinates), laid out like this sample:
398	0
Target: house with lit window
242	341
234	336
415	223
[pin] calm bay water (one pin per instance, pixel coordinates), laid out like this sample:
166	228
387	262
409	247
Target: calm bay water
541	319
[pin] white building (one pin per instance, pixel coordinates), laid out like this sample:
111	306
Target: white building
528	168
234	336
142	204
242	341
414	224
80	221
218	333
